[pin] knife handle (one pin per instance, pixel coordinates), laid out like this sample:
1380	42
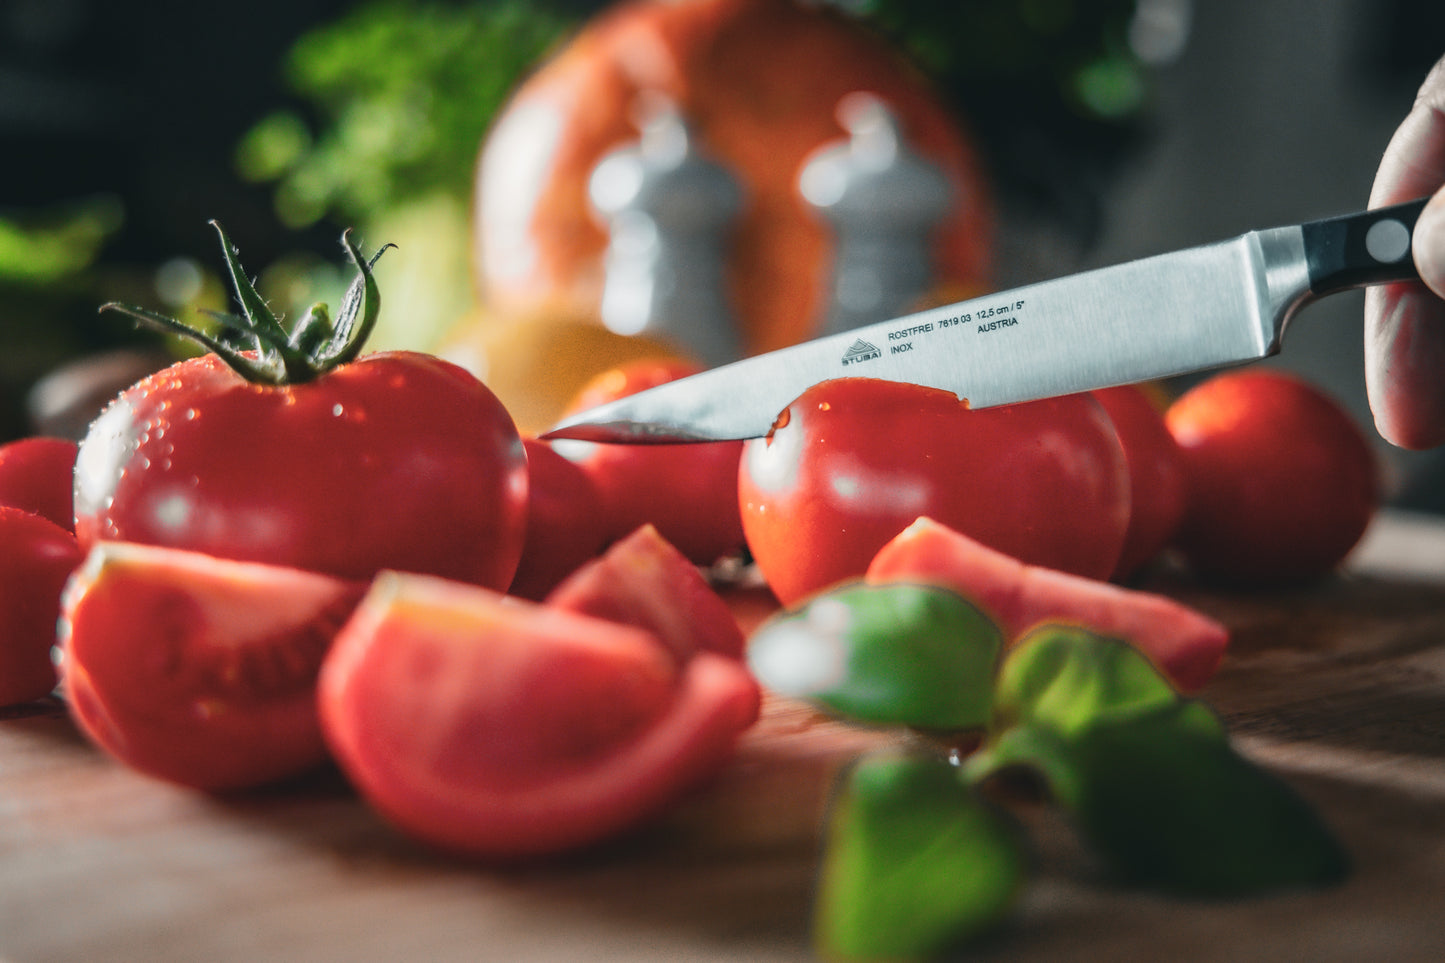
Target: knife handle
1371	247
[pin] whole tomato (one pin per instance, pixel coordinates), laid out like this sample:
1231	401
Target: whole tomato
1282	481
688	492
852	462
37	474
36	558
565	525
1159	491
300	453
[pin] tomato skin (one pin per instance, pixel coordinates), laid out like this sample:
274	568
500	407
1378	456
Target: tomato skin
398	460
1282	481
197	670
502	729
853	462
36	558
37	474
564	522
1158	488
687	491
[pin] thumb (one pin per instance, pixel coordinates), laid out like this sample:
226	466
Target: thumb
1428	243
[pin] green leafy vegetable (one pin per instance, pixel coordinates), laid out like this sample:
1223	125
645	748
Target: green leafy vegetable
895	654
1150	779
1069	680
915	861
402	95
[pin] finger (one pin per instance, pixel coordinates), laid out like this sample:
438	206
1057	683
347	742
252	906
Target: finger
1405	364
1429	244
1405	323
1413	164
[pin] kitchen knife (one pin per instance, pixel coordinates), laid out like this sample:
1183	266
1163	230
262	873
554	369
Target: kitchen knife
1195	309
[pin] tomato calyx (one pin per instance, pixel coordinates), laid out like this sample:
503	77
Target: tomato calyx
264	352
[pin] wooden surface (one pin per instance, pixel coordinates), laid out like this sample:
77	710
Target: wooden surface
1339	688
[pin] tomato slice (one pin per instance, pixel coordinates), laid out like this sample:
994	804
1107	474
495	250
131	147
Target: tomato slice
500	728
199	670
1186	645
644	581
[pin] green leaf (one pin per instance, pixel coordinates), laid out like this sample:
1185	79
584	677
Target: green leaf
1068	678
889	654
914	861
1170	803
1149	778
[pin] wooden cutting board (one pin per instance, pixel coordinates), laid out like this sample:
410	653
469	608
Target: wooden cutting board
1339	688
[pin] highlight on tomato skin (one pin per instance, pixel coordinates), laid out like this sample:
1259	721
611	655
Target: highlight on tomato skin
507	730
198	670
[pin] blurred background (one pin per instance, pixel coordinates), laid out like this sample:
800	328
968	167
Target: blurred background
1075	134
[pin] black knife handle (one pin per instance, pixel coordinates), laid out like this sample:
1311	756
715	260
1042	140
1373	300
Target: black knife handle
1371	247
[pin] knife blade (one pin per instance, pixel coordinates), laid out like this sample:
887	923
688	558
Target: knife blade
1200	308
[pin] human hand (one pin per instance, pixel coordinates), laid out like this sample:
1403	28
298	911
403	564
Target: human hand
1405	323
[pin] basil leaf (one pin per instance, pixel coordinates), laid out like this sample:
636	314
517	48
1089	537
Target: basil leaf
915	861
1149	778
889	654
1069	679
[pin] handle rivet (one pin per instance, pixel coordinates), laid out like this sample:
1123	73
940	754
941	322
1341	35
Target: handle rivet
1387	241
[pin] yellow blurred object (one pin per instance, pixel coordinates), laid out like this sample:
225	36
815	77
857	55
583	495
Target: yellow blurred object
536	363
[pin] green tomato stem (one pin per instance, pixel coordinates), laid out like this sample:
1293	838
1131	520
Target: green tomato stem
276	357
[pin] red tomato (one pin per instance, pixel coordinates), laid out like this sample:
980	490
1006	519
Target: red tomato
1185	644
37	474
688	492
1283	482
643	581
199	670
36	558
564	522
499	728
853	462
1158	490
397	460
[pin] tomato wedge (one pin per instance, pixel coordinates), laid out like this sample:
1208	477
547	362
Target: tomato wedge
644	581
1186	645
500	728
199	670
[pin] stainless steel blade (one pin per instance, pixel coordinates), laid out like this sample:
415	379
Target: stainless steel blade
1200	308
